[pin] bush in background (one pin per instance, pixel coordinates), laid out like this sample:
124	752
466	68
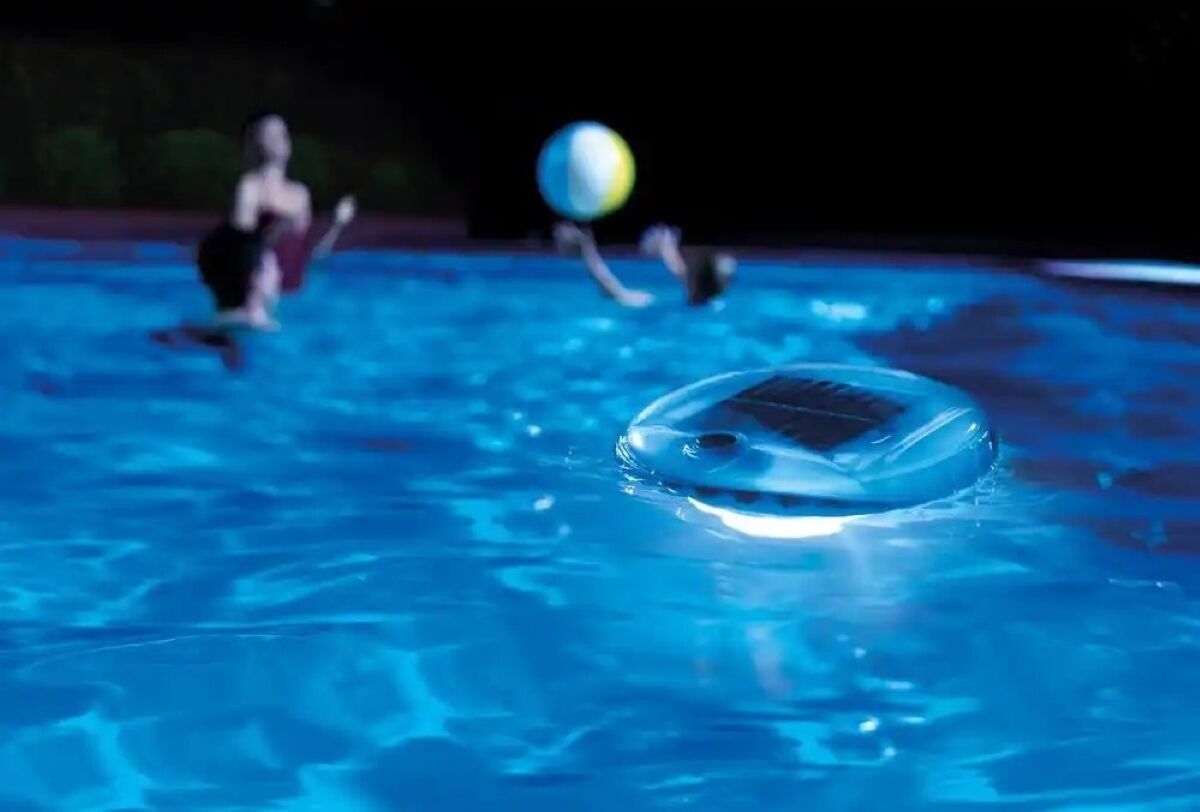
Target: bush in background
413	187
190	169
78	166
158	105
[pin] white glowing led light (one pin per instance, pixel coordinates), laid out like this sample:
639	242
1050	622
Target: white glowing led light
776	527
636	440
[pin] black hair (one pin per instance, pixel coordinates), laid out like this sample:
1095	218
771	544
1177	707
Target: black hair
228	259
255	119
705	278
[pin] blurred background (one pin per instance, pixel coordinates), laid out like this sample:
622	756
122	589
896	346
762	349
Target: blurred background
1042	128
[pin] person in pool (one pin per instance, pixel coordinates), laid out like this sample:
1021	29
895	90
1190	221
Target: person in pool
262	249
265	246
704	275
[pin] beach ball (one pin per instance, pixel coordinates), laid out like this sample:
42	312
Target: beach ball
585	171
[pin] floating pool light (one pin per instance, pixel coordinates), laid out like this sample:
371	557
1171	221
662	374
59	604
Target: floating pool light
824	442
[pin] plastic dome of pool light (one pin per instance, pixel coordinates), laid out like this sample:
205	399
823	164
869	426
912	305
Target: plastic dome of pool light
811	440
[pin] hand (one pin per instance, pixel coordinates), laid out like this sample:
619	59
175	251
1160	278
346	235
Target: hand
263	321
635	298
659	239
570	236
345	211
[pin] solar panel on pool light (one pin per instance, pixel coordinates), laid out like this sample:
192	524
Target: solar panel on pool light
818	414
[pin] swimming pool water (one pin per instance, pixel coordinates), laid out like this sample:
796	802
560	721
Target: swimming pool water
393	564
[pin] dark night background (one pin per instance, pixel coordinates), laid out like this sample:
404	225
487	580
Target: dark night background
1038	127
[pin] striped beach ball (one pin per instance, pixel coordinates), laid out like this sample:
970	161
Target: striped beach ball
585	171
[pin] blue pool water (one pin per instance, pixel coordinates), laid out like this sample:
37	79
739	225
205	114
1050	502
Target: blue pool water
393	565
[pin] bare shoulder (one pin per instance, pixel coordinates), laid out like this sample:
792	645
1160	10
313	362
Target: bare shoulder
299	192
249	187
250	180
301	201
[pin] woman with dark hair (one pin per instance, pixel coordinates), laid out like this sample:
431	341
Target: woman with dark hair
703	274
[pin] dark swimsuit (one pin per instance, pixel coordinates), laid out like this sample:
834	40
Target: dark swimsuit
293	251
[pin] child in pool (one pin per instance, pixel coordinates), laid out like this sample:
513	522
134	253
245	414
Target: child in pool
703	274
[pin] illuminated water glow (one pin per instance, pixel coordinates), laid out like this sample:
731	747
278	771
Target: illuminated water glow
776	527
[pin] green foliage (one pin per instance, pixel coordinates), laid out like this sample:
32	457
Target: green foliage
389	187
162	127
410	187
310	166
78	166
190	168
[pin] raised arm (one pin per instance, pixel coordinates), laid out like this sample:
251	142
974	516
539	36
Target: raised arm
569	235
342	215
663	242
